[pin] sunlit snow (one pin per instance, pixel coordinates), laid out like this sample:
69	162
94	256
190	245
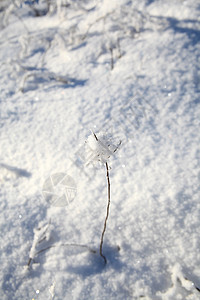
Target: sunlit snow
70	70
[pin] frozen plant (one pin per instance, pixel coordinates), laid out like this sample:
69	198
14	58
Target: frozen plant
52	290
179	279
41	234
99	149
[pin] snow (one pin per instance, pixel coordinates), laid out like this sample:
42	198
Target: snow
129	69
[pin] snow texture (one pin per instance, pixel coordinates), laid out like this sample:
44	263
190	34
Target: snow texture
129	69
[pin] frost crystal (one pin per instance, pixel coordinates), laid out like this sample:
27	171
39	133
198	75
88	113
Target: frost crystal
40	234
52	289
99	148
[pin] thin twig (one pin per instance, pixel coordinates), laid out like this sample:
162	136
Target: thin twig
45	76
119	48
72	245
196	287
111	58
61	245
107	214
117	146
21	20
29	261
96	21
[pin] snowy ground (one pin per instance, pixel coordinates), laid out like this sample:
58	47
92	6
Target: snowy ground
58	82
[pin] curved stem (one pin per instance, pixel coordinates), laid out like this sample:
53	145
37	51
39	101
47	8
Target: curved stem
107	214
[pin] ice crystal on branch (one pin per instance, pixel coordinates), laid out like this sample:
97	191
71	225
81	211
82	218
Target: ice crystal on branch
99	148
41	234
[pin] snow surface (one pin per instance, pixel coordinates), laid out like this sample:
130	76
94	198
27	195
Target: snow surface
58	82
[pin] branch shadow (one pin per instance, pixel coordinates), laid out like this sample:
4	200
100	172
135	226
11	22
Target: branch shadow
189	27
192	33
95	263
17	171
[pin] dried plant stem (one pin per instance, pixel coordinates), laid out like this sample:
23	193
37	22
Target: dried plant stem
107	214
111	59
119	48
61	245
68	245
